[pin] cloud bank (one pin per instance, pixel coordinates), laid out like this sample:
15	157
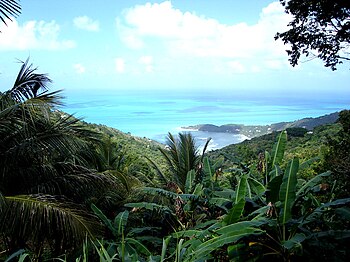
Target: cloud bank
33	35
188	34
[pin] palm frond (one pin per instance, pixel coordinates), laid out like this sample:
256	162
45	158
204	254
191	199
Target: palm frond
29	84
205	148
181	156
8	9
40	218
163	179
78	186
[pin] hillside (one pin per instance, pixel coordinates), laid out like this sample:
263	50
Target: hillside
141	147
305	146
258	130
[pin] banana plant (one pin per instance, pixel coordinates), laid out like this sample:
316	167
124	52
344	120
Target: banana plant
123	247
280	227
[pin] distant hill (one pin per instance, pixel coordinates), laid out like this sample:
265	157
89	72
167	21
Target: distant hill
305	147
258	130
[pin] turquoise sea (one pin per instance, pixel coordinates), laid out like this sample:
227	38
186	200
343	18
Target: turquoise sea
154	114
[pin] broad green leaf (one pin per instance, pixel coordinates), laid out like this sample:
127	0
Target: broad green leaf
198	190
225	193
311	183
278	149
164	248
295	241
235	212
287	193
190	181
259	213
120	221
208	173
257	187
273	189
213	244
241	189
239	226
219	202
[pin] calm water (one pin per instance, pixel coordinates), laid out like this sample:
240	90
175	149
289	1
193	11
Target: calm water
154	115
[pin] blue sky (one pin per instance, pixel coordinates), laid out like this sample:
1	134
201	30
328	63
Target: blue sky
179	45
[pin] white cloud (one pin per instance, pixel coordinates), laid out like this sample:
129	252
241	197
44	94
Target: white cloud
147	62
33	35
236	67
86	23
191	35
79	68
119	65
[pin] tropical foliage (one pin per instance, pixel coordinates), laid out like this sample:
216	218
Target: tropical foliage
44	184
89	189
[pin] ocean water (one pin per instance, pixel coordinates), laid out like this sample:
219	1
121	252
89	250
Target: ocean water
154	114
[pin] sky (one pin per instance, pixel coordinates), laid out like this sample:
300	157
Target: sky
175	46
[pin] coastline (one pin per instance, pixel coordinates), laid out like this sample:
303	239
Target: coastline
218	140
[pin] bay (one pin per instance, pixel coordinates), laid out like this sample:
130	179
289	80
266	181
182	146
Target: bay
154	114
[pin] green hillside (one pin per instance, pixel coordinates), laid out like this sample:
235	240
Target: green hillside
306	145
258	130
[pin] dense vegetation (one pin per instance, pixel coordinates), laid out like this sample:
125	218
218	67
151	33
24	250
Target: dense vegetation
73	190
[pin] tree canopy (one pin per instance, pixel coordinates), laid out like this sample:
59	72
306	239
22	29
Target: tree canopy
320	28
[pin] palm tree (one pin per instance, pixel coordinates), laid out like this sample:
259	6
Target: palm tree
182	156
44	192
8	9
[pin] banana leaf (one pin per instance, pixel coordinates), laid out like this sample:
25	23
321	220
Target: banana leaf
257	187
287	194
241	189
190	181
273	189
120	221
227	236
235	212
208	173
295	241
279	148
311	183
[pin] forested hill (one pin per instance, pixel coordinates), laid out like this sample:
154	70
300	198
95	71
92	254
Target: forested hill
258	130
304	145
